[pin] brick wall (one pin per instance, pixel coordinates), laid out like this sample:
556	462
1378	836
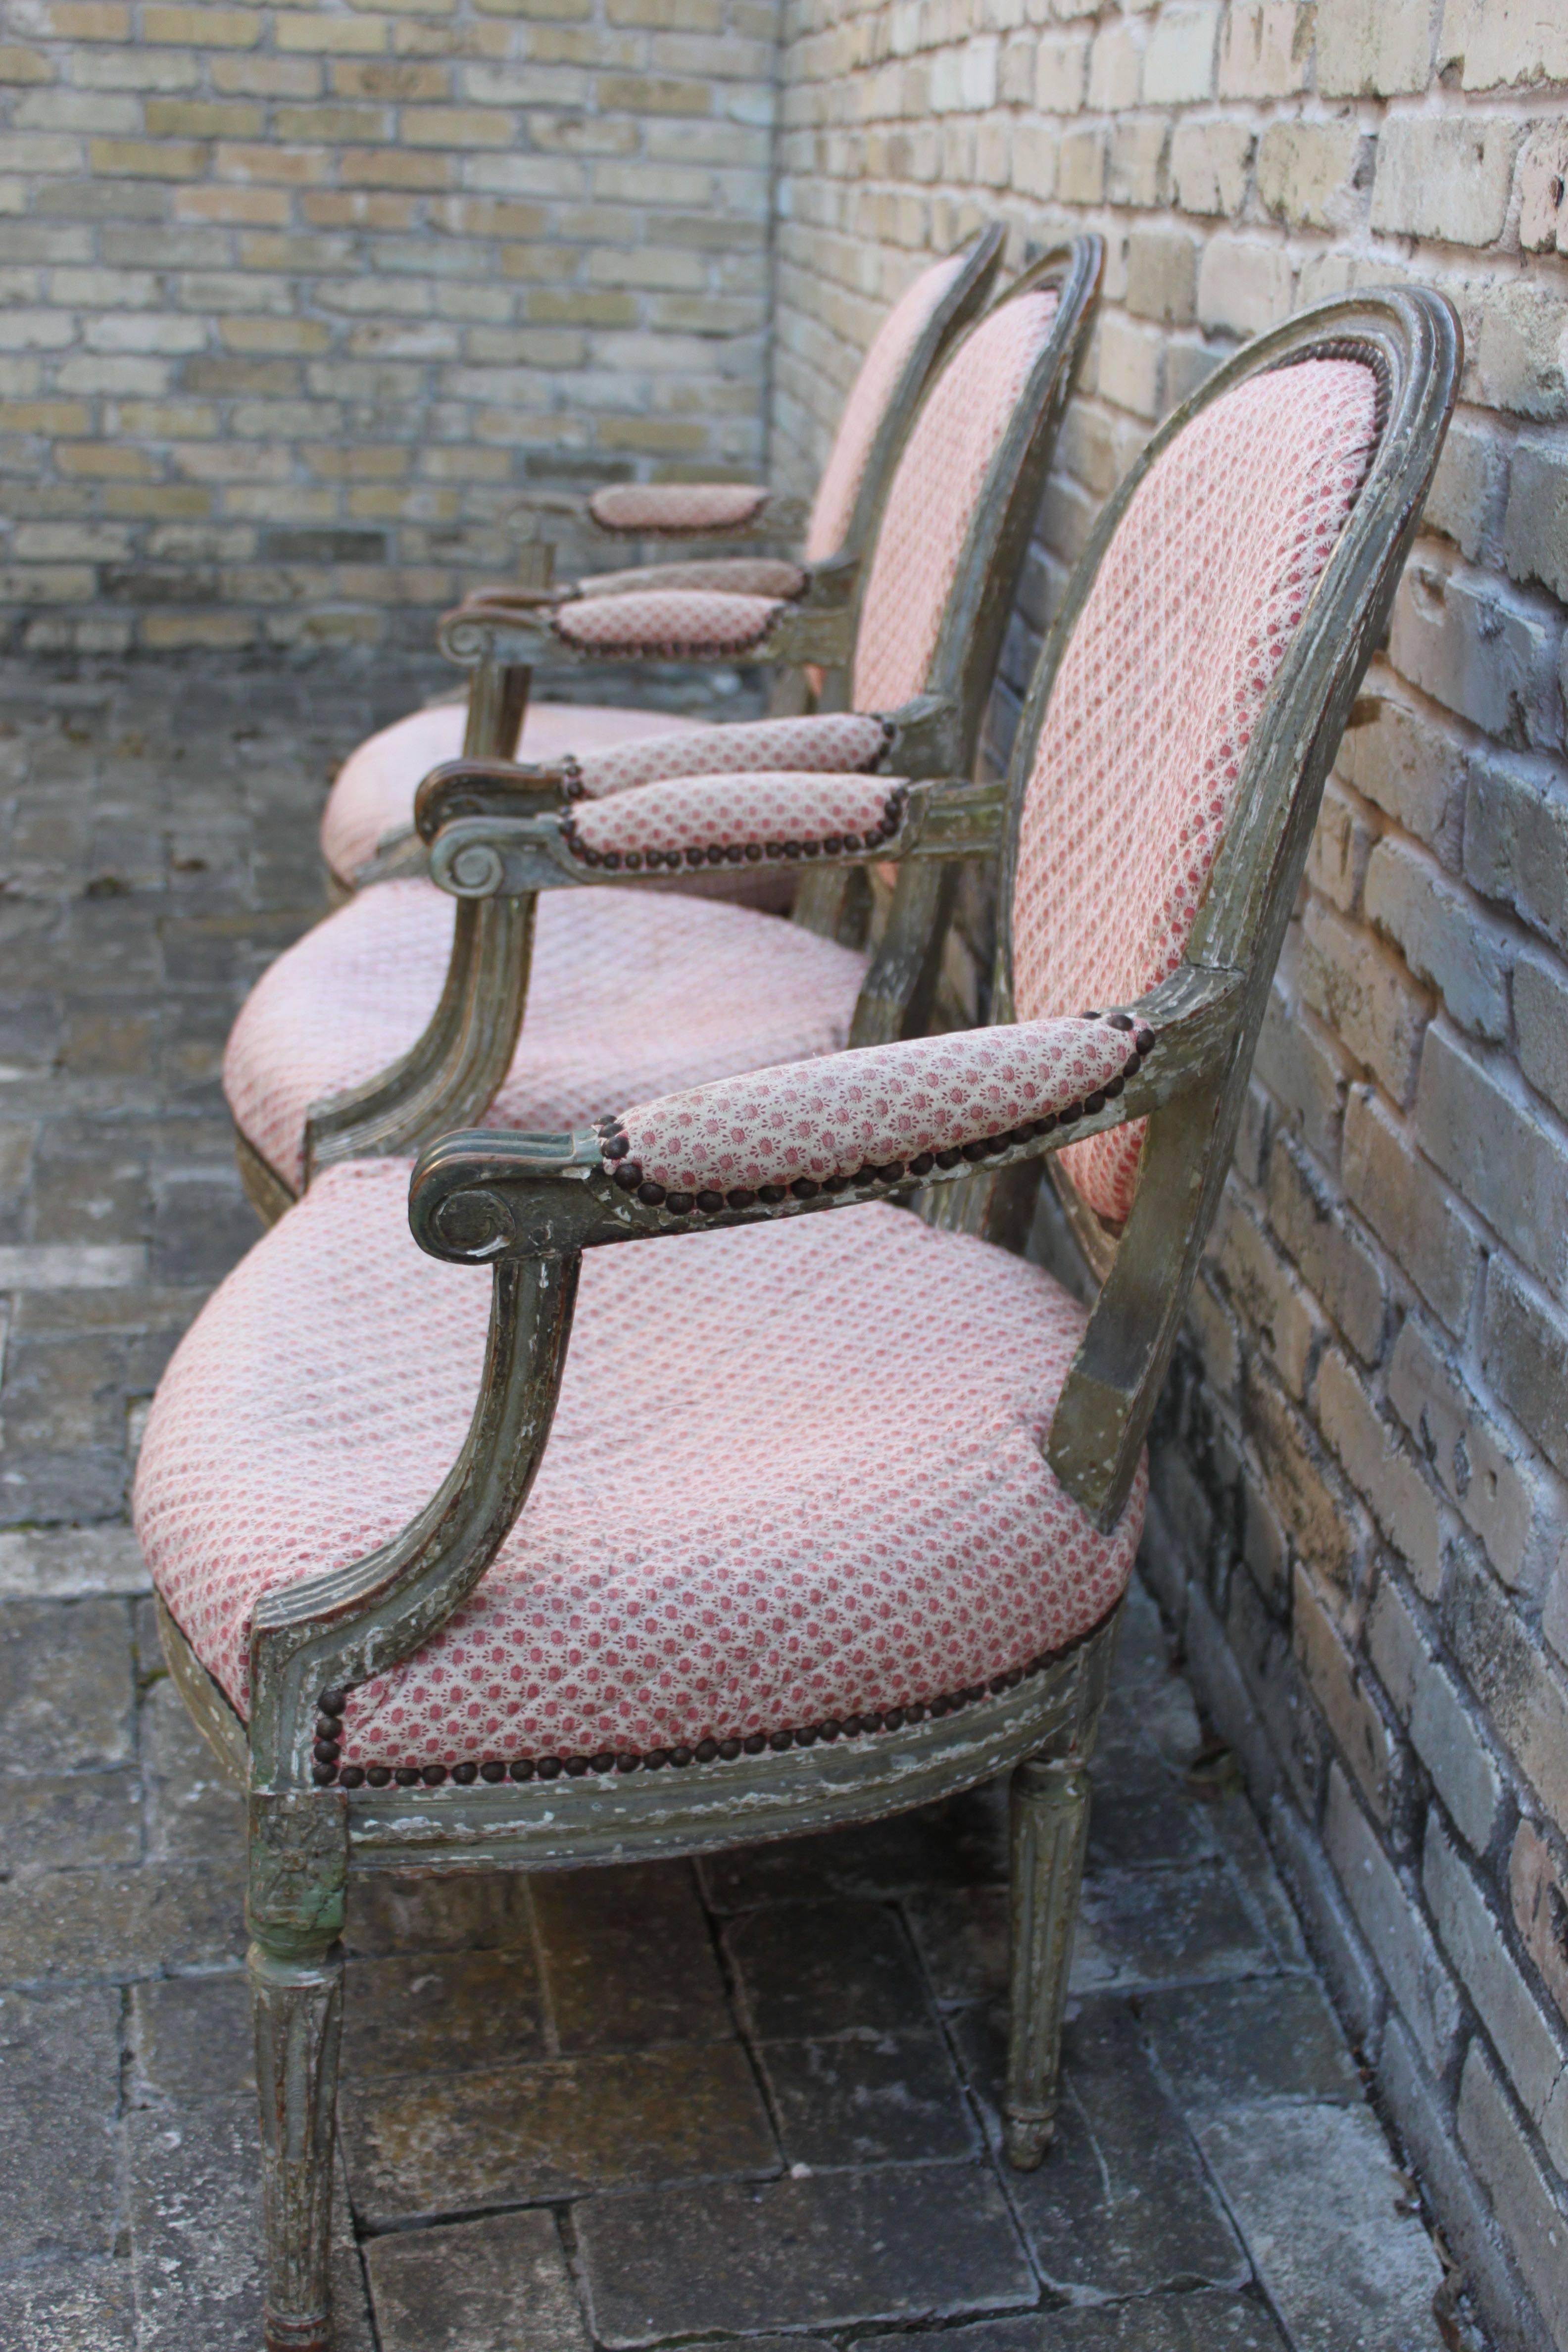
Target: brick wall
295	299
1359	1477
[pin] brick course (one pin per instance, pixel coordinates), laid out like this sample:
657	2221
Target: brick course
298	301
1359	1477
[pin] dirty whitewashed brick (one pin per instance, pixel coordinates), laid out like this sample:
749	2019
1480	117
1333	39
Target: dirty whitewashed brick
1389	1915
1382	1471
1445	1735
1409	1207
1534	2052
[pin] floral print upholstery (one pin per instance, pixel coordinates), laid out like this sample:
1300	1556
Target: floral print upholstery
632	994
1159	692
666	625
833	742
695	1561
932	500
732	575
773	814
374	793
881	1108
677	510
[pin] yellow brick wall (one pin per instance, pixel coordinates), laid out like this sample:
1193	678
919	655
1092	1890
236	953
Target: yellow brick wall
295	300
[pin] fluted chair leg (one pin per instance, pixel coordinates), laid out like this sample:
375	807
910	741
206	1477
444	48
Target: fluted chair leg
297	2004
1049	1825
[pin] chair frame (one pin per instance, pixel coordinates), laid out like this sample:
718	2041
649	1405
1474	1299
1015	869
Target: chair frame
529	1205
785	516
491	828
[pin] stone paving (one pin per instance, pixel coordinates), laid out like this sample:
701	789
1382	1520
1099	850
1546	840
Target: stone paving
752	2101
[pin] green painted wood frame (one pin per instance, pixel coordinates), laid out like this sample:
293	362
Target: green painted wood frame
529	1205
492	830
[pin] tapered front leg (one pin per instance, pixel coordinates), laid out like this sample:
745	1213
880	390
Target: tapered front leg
1049	1824
298	1858
297	2005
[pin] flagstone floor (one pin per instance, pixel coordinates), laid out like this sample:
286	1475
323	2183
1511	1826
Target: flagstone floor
750	2103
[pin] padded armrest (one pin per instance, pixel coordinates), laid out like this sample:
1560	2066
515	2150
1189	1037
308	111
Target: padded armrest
677	510
735	819
731	575
667	625
838	743
889	1111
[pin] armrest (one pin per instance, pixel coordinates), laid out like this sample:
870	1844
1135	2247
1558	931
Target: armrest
521	628
674	510
730	575
515	844
936	1104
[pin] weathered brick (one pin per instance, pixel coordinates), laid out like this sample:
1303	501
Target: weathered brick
1523	2198
1481	1129
1445	1736
1524	1354
1179	62
1408	1207
1389	1915
1494	47
1475	647
1264	49
1543	190
1539	1888
1310	174
1523	1693
1445	177
1479	1468
1243	286
1367	50
1534	2052
1379	1468
1446	940
1338	1266
1270	1300
1535	527
1209	164
1349	1709
1161	276
1366	996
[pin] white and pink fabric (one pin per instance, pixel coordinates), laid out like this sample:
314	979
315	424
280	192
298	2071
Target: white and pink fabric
837	742
884	1106
773	814
692	1564
373	796
876	385
677	510
932	502
732	575
1158	694
632	993
668	625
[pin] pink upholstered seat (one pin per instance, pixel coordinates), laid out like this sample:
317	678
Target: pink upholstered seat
632	995
795	1476
1159	692
374	791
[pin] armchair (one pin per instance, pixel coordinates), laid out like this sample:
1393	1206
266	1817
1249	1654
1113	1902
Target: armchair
818	1517
402	1015
371	800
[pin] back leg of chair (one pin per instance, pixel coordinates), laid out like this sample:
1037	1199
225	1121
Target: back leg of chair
296	1970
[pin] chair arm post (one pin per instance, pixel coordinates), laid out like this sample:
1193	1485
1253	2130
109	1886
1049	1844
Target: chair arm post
357	1622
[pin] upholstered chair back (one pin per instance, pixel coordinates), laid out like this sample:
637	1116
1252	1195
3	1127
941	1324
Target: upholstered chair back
1158	692
935	497
871	396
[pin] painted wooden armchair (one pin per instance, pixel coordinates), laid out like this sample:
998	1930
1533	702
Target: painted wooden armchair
819	1516
403	1013
373	796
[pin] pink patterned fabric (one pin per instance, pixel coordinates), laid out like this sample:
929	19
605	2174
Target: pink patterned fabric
778	813
677	510
833	742
877	383
632	993
881	1105
1159	693
374	793
932	500
698	1560
666	625
732	575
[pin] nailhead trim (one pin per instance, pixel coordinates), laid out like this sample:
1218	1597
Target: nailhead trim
626	1172
705	1751
637	861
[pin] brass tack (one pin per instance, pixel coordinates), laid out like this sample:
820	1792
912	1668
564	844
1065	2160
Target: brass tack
353	1776
633	861
851	841
835	1183
681	1756
923	1163
1119	1019
522	1770
628	1175
1094	1104
406	1776
779	1740
949	1158
617	1147
771	1193
329	1726
1112	1089
811	848
834	843
432	1775
325	1752
805	1736
490	1770
465	1774
627	1762
378	1775
976	1150
916	1714
714	854
577	1765
741	1197
324	1775
651	1195
603	1762
1144	1041
1069	1112
612	861
729	1749
753	852
893	1717
753	1743
333	1702
889	1171
734	853
707	1750
830	1729
997	1684
656	1758
679	1204
549	1767
710	1202
805	1187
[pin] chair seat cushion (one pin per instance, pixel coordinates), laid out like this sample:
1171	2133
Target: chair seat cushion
374	791
632	994
795	1475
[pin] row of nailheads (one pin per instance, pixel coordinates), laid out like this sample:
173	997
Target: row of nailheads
326	1770
628	1173
737	853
